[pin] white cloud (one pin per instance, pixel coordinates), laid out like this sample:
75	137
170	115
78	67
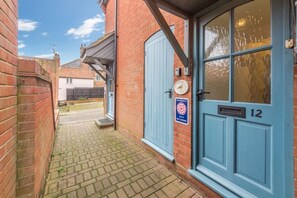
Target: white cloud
21	53
26	35
87	28
21	44
51	55
44	34
86	40
27	25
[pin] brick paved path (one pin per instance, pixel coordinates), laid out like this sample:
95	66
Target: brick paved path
92	162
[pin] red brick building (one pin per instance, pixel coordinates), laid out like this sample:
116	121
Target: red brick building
27	122
208	111
77	74
8	96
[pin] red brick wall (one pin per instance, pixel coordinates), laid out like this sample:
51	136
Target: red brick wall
109	17
295	128
53	67
8	99
35	127
133	31
99	83
135	25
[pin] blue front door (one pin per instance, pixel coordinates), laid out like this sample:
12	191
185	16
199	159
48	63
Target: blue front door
110	98
158	131
241	130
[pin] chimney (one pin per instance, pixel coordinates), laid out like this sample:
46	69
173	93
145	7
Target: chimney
57	59
82	47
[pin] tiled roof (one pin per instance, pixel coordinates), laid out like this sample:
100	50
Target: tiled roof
76	69
73	64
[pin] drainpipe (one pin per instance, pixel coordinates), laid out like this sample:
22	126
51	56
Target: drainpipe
115	61
53	105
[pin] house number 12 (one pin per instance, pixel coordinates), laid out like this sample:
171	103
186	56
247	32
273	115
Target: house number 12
256	113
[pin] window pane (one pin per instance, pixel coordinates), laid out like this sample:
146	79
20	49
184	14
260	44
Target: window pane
252	81
252	25
216	36
217	79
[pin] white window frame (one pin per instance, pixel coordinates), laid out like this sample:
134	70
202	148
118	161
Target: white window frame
69	80
97	77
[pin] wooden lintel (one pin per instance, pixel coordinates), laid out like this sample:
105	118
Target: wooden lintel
167	31
97	62
97	72
172	9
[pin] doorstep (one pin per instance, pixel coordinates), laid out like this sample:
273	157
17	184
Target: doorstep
105	122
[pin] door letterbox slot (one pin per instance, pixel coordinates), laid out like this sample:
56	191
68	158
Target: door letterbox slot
232	111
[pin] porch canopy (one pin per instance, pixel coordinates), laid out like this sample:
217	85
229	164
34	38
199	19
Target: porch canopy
185	9
100	54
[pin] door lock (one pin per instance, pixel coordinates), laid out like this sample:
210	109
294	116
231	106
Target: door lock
201	94
169	93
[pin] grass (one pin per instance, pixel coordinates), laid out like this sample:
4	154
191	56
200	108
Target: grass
80	107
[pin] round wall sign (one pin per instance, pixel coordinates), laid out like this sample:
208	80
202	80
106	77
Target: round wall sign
181	87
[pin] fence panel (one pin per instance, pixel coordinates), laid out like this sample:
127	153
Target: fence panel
70	94
80	93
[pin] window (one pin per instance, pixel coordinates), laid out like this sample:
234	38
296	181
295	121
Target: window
69	80
237	68
97	77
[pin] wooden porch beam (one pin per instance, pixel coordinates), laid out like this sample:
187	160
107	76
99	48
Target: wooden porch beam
167	31
103	68
172	9
97	72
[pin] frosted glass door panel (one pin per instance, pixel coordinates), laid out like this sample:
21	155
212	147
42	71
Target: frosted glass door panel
217	79
252	25
252	81
217	36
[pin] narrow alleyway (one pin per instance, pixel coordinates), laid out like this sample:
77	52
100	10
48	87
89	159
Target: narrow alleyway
92	162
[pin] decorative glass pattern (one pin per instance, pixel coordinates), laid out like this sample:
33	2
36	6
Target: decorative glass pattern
252	25
252	77
216	36
217	79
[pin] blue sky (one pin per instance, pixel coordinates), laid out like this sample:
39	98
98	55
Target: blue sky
64	23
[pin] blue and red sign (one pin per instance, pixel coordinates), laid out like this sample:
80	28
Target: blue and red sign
182	110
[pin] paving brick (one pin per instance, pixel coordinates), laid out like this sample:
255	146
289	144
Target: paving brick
105	174
160	193
106	183
98	186
87	176
66	190
112	195
109	190
81	193
123	183
142	184
121	193
79	178
93	180
72	194
90	189
129	191
71	182
147	192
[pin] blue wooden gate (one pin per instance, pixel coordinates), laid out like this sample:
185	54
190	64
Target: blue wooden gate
241	99
159	59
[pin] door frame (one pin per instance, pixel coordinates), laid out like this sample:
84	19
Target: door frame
154	147
108	84
282	8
